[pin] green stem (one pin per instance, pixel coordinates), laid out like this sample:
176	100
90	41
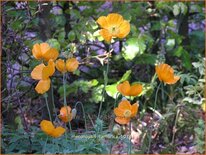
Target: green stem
105	73
52	93
45	97
115	103
130	139
44	148
150	141
156	95
144	109
175	125
65	101
85	121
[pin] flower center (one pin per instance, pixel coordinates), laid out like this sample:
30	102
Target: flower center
114	30
127	113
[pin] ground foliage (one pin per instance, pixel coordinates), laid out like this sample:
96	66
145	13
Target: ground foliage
160	31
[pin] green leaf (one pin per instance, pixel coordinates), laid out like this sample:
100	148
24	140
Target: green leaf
186	60
133	47
111	90
179	8
183	8
178	52
125	76
146	59
71	35
176	10
54	43
170	43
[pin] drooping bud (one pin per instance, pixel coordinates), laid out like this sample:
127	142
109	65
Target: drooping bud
116	131
74	112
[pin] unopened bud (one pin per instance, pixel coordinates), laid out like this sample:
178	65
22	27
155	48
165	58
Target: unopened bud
116	130
124	98
74	112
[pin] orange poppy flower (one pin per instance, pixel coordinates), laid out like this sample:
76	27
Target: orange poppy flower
165	73
113	26
42	73
127	90
72	64
125	111
61	65
48	128
65	114
44	51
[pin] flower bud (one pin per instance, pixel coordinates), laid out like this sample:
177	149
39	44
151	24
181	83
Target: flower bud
116	130
74	112
61	66
72	64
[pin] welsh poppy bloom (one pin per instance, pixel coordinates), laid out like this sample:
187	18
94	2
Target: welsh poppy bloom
72	64
165	73
44	51
125	111
129	90
65	114
61	65
113	25
42	73
48	128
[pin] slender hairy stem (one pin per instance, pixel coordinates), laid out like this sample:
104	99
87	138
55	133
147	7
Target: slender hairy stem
105	73
150	141
52	93
85	121
44	148
156	95
45	97
115	104
65	101
130	138
175	125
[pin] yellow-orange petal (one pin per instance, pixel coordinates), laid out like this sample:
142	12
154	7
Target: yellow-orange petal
124	29
124	105
44	48
48	70
114	19
37	72
72	64
106	35
122	120
135	89
43	86
157	70
51	66
61	65
46	126
51	53
174	80
134	109
36	51
165	73
102	21
57	132
119	112
65	114
124	88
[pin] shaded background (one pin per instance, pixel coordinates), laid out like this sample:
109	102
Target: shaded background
170	31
